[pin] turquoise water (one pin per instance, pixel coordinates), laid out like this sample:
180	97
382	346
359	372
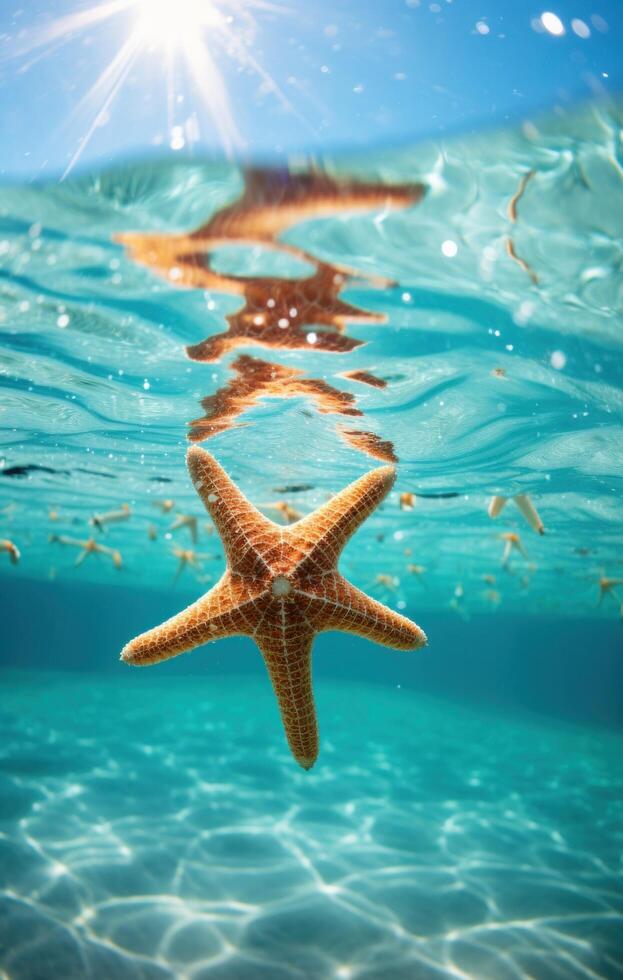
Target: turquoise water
176	839
464	818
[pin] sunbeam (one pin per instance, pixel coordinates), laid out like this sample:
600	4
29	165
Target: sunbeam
190	34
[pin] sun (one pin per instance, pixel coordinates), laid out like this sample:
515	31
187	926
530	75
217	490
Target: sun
174	23
193	36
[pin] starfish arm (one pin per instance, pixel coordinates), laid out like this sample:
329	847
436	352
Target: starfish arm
287	654
227	610
508	547
340	606
530	512
321	536
497	505
245	532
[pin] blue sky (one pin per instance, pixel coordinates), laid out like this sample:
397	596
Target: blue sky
353	72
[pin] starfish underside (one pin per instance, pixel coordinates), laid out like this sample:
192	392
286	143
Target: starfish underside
281	587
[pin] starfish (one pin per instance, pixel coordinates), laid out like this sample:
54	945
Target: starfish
407	501
88	547
512	542
289	513
112	517
608	586
524	505
188	558
189	521
12	550
281	587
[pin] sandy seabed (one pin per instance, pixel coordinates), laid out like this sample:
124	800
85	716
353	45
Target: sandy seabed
158	828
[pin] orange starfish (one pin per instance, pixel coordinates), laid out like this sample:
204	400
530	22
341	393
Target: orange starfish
88	547
189	521
512	542
608	586
112	517
524	505
407	501
188	558
281	587
12	551
289	513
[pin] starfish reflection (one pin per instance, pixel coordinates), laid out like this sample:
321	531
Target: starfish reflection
287	314
303	313
272	202
256	379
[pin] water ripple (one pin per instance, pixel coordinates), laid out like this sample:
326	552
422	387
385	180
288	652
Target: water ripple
490	307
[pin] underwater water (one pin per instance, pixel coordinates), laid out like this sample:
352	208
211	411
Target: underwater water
452	308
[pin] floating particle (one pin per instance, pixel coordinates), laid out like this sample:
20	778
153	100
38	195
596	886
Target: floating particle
552	23
524	313
63	321
177	141
558	360
482	27
449	248
580	28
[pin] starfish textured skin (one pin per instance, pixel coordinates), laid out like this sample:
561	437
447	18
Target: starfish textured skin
281	587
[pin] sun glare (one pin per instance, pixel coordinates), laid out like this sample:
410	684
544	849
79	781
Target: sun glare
195	36
175	22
